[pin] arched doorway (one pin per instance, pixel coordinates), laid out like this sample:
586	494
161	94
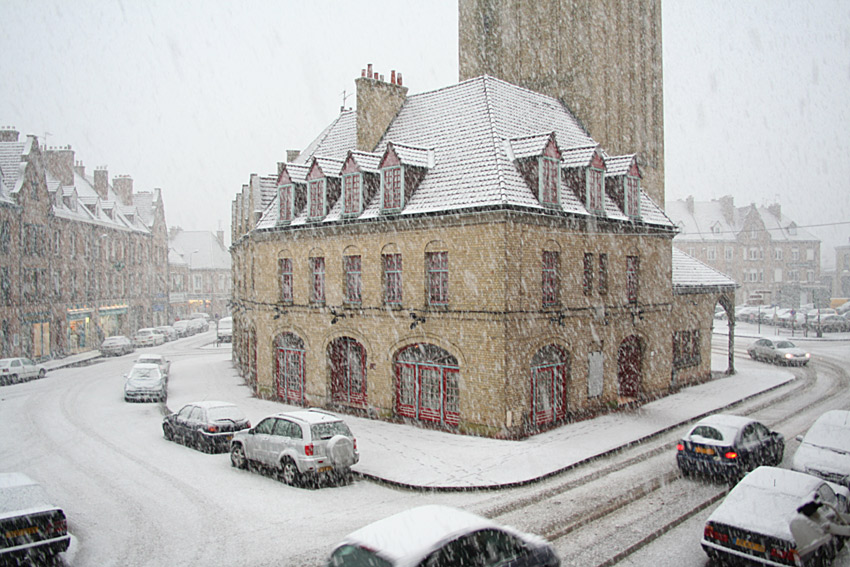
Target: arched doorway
347	359
549	374
629	363
427	384
289	368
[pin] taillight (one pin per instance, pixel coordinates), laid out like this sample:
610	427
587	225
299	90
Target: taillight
680	447
731	455
308	450
785	554
57	527
247	425
212	428
711	533
355	444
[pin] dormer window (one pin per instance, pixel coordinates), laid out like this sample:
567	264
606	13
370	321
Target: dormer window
550	181
392	188
595	188
352	190
317	198
632	196
285	203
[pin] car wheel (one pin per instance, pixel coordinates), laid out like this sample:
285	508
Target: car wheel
42	373
237	457
13	379
289	472
752	355
167	432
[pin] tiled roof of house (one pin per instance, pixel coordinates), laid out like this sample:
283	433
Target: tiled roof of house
368	162
471	132
528	146
618	165
690	274
12	164
579	156
268	191
201	250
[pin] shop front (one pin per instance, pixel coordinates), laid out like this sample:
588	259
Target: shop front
113	319
81	335
37	335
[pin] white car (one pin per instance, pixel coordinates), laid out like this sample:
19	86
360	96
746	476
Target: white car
754	521
34	530
438	536
145	383
14	370
779	351
825	449
158	359
224	331
148	337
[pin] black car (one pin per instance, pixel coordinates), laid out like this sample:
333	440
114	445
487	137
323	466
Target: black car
728	446
207	426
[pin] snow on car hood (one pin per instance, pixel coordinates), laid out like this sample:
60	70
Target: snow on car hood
822	459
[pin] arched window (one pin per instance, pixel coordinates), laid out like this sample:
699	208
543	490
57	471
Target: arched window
549	375
289	371
427	384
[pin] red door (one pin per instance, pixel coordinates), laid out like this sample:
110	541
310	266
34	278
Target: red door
348	371
629	367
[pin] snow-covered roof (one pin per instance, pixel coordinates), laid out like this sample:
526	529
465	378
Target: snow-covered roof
201	250
577	157
690	275
13	164
618	165
468	136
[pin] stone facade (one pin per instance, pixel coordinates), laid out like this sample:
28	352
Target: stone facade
199	274
602	58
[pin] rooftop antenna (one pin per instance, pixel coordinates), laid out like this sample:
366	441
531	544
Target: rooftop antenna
344	98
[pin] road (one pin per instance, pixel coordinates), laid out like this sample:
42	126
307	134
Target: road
134	499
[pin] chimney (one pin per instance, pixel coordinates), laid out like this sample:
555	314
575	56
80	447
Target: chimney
80	169
8	134
727	207
690	203
60	163
123	186
101	182
776	210
378	103
292	155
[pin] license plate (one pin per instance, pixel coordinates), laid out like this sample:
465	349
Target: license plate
746	544
325	469
704	450
23	531
228	437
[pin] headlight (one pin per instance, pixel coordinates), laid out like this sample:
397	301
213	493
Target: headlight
808	355
789	355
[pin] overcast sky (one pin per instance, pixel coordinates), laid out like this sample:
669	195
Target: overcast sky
194	96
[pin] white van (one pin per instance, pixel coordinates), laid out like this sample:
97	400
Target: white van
225	330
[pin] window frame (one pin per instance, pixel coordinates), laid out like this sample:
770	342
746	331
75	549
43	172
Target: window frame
317	193
437	278
285	279
550	278
632	279
285	190
317	280
595	199
392	279
549	181
352	269
587	274
350	189
397	195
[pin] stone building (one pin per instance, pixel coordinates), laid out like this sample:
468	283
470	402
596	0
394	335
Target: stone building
199	274
774	260
601	58
468	258
79	259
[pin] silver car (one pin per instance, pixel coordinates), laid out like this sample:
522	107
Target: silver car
779	351
299	446
145	383
13	370
825	449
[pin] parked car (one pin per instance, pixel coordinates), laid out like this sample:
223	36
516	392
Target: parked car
168	332
182	328
792	318
728	446
441	536
116	346
158	359
829	324
754	521
14	370
199	325
224	332
778	350
145	383
34	530
825	449
300	446
207	426
147	337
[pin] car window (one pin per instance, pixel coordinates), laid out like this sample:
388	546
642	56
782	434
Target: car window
197	414
707	432
184	413
16	363
355	556
28	362
749	435
761	432
484	548
785	344
827	495
284	428
328	430
265	427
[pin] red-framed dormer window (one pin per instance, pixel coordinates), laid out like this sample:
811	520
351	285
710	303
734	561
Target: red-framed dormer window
317	198
632	191
392	188
285	197
352	193
595	188
550	181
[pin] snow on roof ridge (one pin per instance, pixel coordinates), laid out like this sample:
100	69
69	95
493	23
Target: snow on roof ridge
500	174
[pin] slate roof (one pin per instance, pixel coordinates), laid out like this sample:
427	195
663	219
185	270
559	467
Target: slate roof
12	165
470	133
708	223
689	275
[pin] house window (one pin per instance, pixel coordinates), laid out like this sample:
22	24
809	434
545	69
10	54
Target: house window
317	277
686	348
632	267
795	254
352	193
712	253
317	198
286	203
777	275
284	266
391	188
603	273
777	254
551	260
353	278
438	277
595	181
754	254
587	280
729	253
392	279
810	276
427	386
632	196
549	181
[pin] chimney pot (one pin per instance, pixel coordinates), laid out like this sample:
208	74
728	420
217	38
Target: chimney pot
398	78
392	76
362	72
381	78
369	70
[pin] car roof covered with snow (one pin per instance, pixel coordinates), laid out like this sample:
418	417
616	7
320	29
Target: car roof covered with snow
727	425
409	536
310	416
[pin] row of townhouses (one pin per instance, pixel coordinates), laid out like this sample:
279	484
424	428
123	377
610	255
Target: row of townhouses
467	258
83	257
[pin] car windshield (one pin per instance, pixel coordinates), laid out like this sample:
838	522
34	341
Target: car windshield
150	359
144	375
112	341
328	430
225	413
355	556
785	344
